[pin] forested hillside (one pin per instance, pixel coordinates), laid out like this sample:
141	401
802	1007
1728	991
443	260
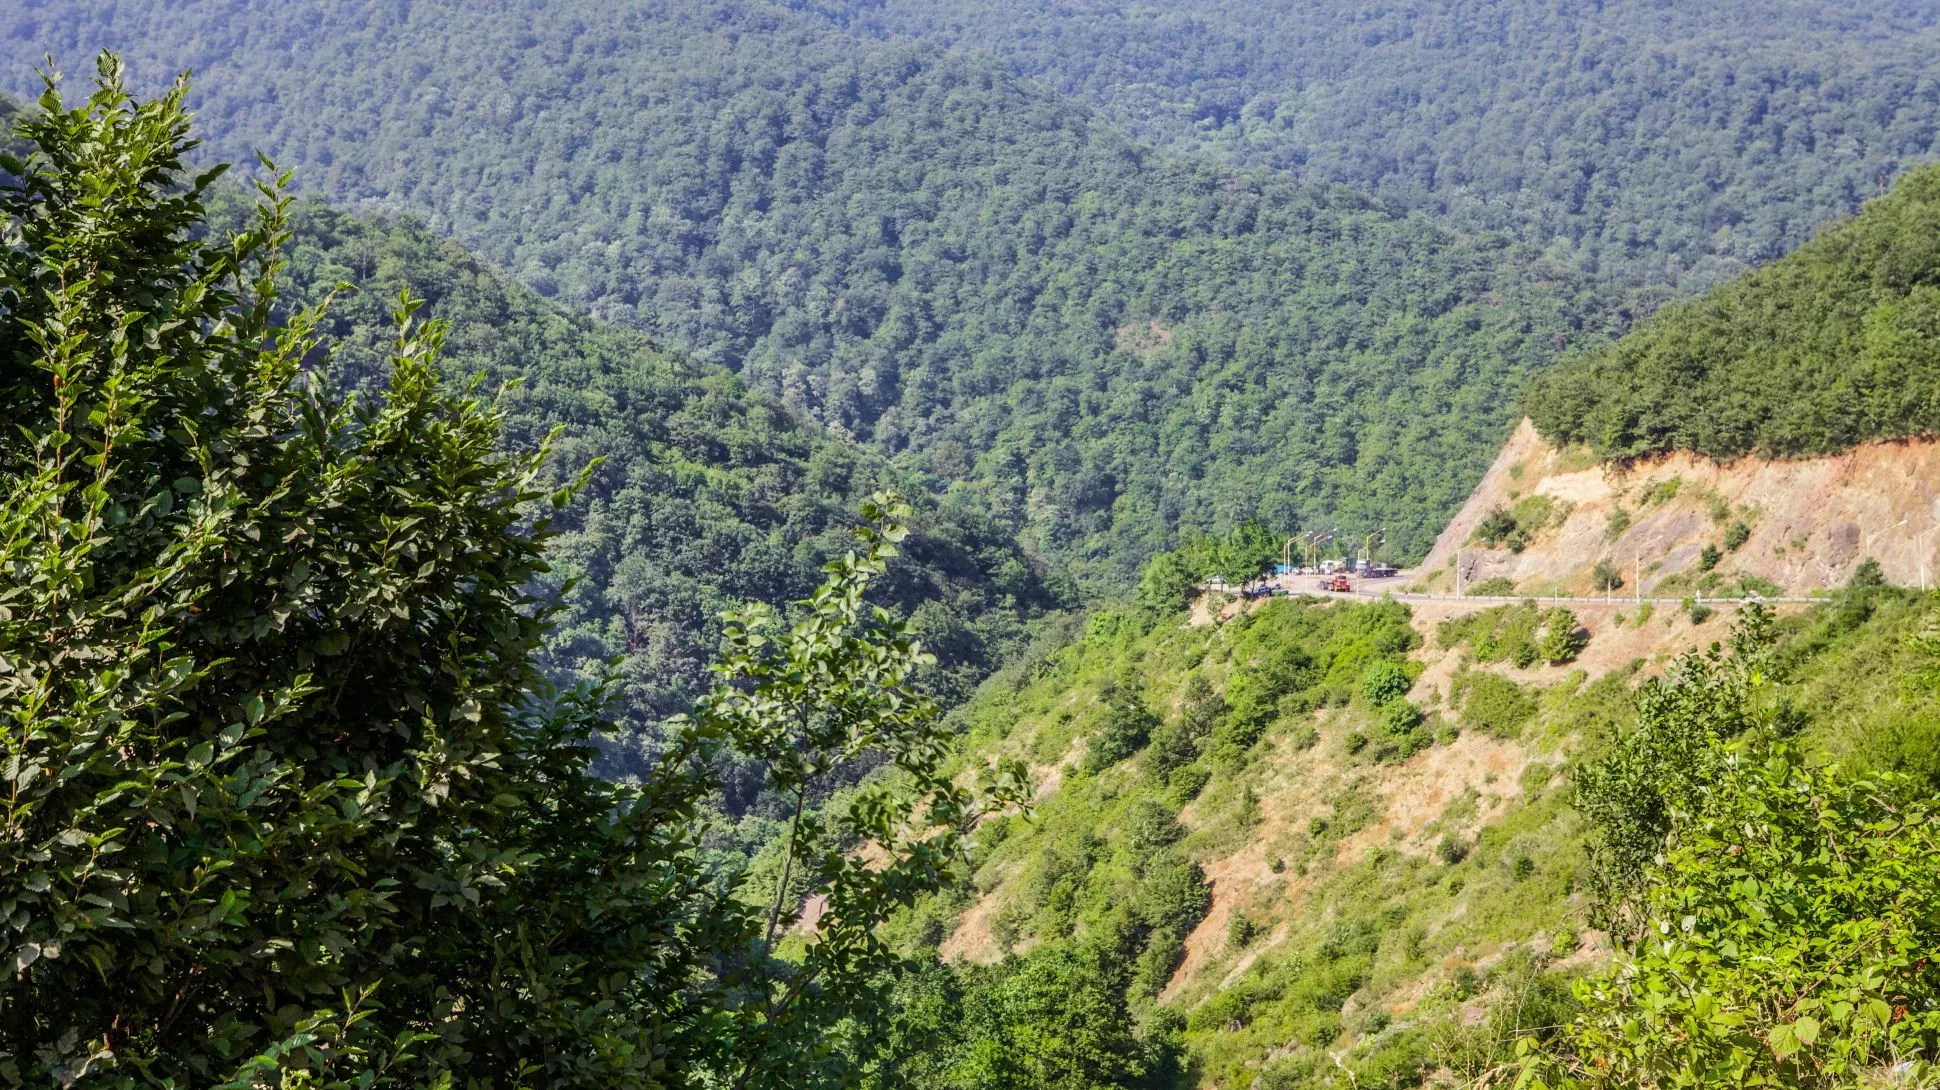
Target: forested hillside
1675	142
1834	345
1090	341
708	496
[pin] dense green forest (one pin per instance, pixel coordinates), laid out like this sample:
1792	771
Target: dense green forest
707	495
1091	342
1668	142
1836	344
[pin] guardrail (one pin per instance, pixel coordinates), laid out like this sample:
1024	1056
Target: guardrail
1696	599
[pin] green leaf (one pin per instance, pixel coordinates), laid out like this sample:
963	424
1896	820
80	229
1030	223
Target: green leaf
1806	1030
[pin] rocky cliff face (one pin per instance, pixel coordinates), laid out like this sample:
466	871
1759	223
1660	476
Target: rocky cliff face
1796	526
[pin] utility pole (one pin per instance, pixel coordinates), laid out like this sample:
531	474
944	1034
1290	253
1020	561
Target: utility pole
1921	554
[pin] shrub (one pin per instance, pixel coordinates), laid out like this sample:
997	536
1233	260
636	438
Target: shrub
1127	728
1709	557
1384	681
1605	576
1398	717
1619	522
1493	704
1497	528
1240	932
1736	535
1662	491
1563	638
1664	762
1789	934
1151	826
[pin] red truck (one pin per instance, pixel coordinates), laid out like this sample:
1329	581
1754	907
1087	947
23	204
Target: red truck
1337	584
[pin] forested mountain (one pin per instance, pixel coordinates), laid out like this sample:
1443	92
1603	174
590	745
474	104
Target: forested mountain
1672	141
708	496
1089	341
1834	345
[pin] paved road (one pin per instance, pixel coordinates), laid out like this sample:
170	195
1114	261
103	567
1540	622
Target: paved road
1375	594
1376	589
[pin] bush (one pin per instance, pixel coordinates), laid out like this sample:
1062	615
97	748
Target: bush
1563	638
1709	557
1790	930
1127	728
1736	535
1605	576
1384	681
1240	932
1664	762
1398	717
1497	528
1493	704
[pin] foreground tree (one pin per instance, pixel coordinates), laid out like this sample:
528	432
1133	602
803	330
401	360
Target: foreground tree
1786	918
288	801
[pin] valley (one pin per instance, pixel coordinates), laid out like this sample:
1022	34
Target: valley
721	544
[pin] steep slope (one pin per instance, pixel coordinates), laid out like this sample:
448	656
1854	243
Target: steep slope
1296	875
709	495
1835	345
1773	435
1673	142
1795	526
1337	844
1095	343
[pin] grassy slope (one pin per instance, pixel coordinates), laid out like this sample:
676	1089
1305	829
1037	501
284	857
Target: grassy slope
1365	938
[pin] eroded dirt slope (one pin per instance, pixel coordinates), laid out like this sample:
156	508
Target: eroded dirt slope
1807	524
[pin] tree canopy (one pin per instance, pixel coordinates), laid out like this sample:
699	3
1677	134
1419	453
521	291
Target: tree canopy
1094	343
1834	345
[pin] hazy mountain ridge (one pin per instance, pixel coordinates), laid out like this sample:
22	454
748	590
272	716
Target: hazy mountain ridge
1672	143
